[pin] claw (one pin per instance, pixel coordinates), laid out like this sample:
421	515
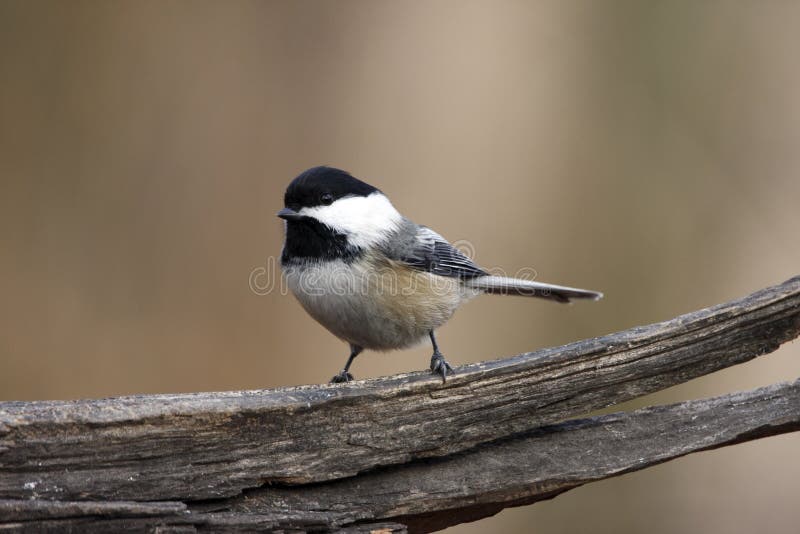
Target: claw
344	376
439	366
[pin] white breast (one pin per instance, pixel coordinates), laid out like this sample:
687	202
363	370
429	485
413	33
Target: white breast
377	305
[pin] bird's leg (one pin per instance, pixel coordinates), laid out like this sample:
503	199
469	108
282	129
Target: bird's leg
439	365
345	376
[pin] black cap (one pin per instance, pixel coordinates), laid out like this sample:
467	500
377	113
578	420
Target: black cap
323	185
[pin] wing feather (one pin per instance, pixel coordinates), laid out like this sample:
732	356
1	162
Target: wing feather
430	252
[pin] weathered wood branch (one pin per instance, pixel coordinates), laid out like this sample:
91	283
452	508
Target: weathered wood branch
434	494
425	454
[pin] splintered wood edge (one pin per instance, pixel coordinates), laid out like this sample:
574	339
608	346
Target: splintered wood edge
215	445
428	496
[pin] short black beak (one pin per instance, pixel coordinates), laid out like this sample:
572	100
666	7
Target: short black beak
289	214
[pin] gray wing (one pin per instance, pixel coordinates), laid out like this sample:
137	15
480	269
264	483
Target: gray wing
423	249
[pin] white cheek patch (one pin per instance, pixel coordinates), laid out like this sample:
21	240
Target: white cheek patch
365	220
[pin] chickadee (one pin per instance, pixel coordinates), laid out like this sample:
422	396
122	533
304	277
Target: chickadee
374	278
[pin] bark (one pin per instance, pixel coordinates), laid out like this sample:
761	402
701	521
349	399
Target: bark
402	450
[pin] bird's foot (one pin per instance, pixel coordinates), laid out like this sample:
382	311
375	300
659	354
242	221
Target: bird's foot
439	366
344	376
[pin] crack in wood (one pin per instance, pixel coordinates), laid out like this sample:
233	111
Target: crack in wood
365	455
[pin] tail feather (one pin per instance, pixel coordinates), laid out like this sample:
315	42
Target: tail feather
500	285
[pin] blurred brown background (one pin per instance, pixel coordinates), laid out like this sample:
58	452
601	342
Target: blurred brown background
646	149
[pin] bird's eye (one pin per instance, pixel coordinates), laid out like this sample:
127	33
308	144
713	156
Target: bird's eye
326	199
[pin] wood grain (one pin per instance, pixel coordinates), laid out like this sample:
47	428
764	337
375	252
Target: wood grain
224	457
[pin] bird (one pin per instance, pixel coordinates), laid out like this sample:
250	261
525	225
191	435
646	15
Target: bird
374	278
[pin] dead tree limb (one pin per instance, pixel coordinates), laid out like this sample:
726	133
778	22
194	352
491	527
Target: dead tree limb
403	449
